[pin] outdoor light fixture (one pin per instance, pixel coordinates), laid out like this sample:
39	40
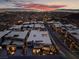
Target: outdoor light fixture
36	51
11	49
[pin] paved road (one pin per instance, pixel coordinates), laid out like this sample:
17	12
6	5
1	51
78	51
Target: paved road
63	50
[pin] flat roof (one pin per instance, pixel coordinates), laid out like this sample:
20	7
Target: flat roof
34	22
72	29
70	26
16	27
30	25
58	24
2	33
17	34
74	33
26	23
40	25
37	35
50	22
40	22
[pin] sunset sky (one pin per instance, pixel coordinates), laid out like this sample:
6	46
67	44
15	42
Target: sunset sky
70	4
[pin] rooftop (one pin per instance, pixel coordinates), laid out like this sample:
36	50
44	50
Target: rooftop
74	33
40	25
16	27
17	34
58	24
2	33
39	36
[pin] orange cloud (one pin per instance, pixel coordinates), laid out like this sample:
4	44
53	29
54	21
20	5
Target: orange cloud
69	5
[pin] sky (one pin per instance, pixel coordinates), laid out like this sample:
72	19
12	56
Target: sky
70	4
